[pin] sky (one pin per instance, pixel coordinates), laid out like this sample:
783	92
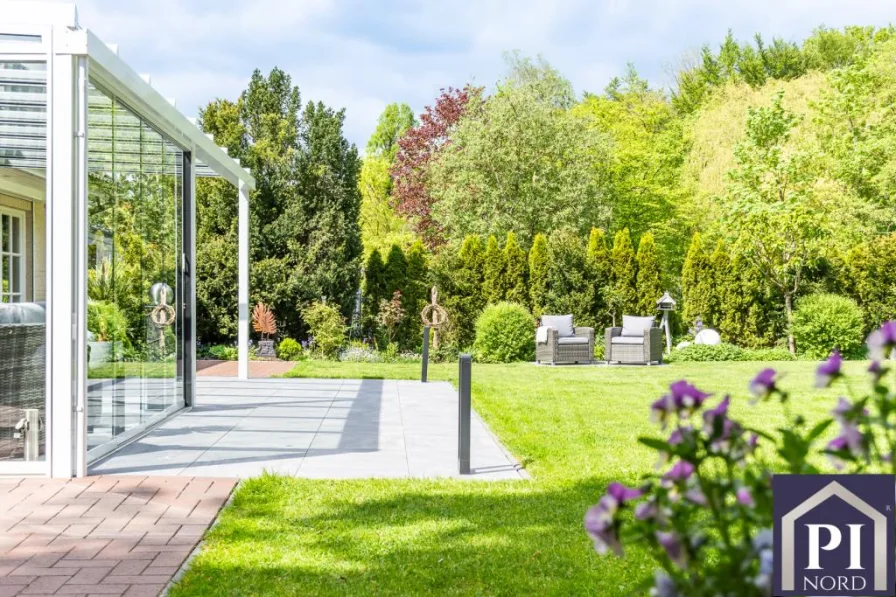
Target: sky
362	55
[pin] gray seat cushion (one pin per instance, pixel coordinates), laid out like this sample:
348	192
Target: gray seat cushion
573	340
22	313
561	323
627	340
636	326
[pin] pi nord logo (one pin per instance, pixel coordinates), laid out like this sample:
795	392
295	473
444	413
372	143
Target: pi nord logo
834	535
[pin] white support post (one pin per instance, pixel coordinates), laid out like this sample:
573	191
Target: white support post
62	304
243	282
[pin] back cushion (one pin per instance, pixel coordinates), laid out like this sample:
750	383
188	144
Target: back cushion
561	323
635	326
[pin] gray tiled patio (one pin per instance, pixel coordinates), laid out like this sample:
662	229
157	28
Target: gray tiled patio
320	428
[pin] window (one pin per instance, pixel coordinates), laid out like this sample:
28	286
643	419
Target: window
12	256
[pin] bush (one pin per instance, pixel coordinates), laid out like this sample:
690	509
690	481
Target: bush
505	332
289	350
726	352
222	352
106	321
326	327
705	352
823	322
358	352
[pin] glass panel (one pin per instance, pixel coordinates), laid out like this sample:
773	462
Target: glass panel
16	274
134	335
23	339
16	232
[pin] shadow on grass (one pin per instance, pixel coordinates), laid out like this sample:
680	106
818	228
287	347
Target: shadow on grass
286	536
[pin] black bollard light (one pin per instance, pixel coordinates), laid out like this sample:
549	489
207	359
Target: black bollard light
424	372
464	411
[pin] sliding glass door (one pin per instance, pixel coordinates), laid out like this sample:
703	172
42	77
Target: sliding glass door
135	328
23	329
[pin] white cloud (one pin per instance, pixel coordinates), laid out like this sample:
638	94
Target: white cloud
362	55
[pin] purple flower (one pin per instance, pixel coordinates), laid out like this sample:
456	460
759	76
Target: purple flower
646	510
744	497
674	549
617	494
752	441
683	398
876	370
664	586
829	370
600	527
681	471
764	383
882	341
695	496
850	440
719	412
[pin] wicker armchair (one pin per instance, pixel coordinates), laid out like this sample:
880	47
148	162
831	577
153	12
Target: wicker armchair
562	350
631	349
22	369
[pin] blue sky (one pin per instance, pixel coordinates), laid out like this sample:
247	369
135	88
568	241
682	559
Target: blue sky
363	55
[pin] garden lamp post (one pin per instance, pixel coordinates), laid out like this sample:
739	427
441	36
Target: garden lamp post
665	304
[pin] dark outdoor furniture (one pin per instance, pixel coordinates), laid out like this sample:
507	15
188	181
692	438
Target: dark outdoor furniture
22	370
637	341
561	342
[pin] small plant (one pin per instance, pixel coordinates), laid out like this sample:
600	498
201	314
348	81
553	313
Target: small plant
391	315
358	352
106	321
223	352
505	332
263	321
326	326
290	350
706	519
825	322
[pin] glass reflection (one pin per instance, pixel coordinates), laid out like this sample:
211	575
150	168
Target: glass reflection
135	189
23	331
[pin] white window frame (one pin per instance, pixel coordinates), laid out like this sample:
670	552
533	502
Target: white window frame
22	254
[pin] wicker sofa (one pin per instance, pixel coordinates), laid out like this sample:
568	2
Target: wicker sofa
637	344
563	342
22	370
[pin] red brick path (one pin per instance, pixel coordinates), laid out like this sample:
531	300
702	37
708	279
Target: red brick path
230	368
102	535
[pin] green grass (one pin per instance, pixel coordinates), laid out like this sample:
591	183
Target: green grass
120	370
574	428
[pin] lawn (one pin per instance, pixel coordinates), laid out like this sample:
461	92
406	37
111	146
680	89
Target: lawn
574	428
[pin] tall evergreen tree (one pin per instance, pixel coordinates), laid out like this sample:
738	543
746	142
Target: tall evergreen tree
414	297
494	264
569	287
696	284
623	296
468	280
648	282
598	262
515	273
374	289
539	266
396	271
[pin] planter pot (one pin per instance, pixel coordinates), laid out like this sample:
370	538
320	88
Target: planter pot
266	350
103	352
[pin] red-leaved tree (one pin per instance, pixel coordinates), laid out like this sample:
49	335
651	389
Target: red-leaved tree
417	148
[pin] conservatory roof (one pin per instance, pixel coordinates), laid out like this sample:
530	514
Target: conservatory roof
29	32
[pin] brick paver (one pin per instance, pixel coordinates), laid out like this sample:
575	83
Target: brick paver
105	535
257	369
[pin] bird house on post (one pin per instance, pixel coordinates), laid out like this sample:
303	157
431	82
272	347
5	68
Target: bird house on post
665	304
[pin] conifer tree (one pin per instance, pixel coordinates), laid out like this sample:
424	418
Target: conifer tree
623	297
598	261
539	267
515	272
648	280
569	287
494	264
415	295
374	289
395	271
468	303
696	284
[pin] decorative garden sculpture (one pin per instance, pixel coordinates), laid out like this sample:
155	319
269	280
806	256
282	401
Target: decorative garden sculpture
434	316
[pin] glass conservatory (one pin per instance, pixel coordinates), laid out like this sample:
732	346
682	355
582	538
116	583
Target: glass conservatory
97	302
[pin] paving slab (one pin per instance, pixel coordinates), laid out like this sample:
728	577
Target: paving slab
316	428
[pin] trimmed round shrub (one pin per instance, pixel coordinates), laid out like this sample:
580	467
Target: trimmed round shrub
505	332
823	322
289	350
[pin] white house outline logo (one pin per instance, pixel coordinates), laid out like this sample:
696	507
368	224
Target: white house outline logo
788	522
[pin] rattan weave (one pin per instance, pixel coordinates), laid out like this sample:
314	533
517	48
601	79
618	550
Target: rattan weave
553	352
649	351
